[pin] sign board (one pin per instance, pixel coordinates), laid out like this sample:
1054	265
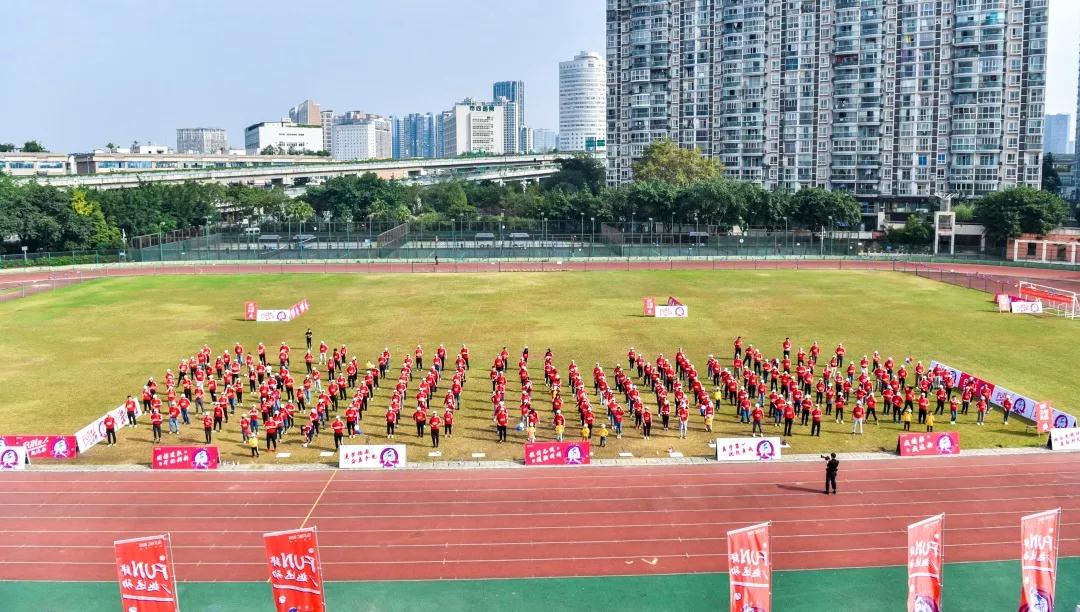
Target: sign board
93	433
12	458
38	447
750	569
742	449
928	444
251	311
274	315
371	456
185	458
1022	406
926	561
672	312
557	453
1026	307
144	569
649	306
1043	417
1067	439
295	570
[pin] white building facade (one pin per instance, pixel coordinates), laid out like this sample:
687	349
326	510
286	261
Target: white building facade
202	141
474	127
370	138
583	103
285	136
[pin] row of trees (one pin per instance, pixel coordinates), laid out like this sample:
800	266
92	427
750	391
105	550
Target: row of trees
30	146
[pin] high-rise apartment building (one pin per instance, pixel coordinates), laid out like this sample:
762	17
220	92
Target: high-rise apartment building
306	113
582	103
204	141
511	125
892	100
1056	134
513	91
414	135
326	120
545	141
359	135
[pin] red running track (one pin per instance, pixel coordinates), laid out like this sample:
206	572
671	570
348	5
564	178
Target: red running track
530	522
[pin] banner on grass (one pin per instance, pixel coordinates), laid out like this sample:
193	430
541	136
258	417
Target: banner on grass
272	315
251	311
371	456
93	433
185	458
926	558
298	309
1038	560
1043	417
295	570
741	449
54	447
144	569
12	458
1023	406
750	568
928	444
1024	307
1067	438
672	312
557	453
648	306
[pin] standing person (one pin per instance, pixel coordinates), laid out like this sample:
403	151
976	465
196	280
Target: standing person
1006	409
857	416
832	465
646	423
208	425
155	422
421	420
560	425
981	407
603	434
130	404
271	427
448	422
500	423
339	431
789	418
174	415
684	418
930	422
253	444
756	417
906	418
434	423
307	337
391	421
815	425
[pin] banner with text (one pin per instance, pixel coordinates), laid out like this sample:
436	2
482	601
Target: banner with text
144	569
1044	421
672	312
648	306
52	447
1023	307
926	558
93	433
371	456
12	458
1039	537
251	311
295	570
1066	438
272	315
741	449
750	568
185	458
298	309
928	444
1022	406
557	453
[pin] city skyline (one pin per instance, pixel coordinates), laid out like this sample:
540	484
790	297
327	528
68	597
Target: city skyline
65	93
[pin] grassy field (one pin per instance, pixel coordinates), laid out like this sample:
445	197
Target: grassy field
74	352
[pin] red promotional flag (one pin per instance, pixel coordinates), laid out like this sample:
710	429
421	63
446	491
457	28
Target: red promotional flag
926	558
750	569
649	306
1038	560
295	570
145	571
1044	417
251	311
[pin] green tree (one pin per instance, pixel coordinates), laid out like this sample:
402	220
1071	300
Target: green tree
299	210
643	199
32	146
1011	212
1051	180
7	147
917	231
815	207
964	212
663	160
268	150
718	201
579	171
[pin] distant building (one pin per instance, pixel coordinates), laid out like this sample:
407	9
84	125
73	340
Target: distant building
306	113
583	103
36	164
511	125
326	120
474	127
525	139
439	134
513	91
201	140
545	141
414	136
1056	134
285	136
362	136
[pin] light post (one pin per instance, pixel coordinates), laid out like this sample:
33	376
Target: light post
832	239
785	233
502	244
24	256
207	236
161	241
581	234
697	228
592	234
650	231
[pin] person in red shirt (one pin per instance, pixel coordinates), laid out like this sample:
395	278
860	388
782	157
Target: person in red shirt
434	424
110	429
789	418
646	423
1006	408
130	405
420	417
208	425
271	427
155	422
448	422
815	425
500	423
684	419
219	413
339	431
391	422
981	407
174	418
924	404
351	416
756	417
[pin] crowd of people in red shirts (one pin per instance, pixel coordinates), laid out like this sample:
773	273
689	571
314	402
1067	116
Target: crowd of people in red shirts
782	390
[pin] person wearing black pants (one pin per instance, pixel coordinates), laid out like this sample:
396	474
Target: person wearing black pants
787	426
502	433
208	431
110	435
832	465
815	429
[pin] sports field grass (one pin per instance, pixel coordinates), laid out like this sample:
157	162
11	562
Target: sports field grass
72	353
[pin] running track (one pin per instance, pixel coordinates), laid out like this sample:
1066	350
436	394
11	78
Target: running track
530	522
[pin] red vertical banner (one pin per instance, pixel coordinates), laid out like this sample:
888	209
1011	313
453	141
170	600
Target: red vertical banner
926	558
1044	414
251	311
649	306
1038	560
295	570
144	569
750	569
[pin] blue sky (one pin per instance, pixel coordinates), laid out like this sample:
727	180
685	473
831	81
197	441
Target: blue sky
77	74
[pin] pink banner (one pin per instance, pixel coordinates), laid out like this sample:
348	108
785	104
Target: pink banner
144	569
1039	535
557	453
750	569
48	447
185	458
649	306
295	570
928	444
926	558
251	311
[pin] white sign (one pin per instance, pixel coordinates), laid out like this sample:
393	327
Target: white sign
371	456
93	433
1026	307
672	312
274	315
12	458
747	449
1065	439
